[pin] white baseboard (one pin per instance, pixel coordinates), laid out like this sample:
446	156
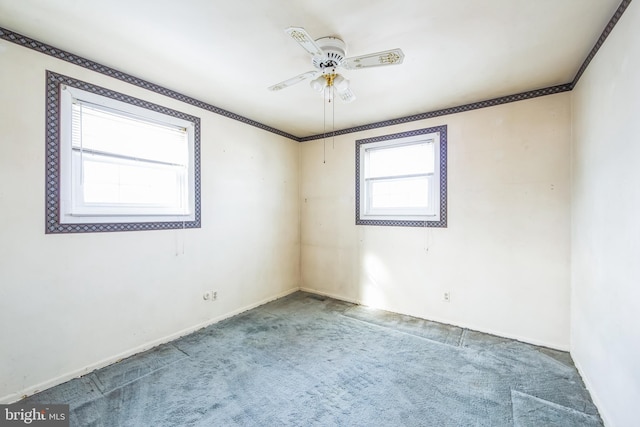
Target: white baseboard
330	295
594	396
516	337
14	397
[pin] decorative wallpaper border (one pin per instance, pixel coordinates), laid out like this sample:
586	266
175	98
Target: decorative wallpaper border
605	33
442	223
29	43
446	111
496	101
52	172
36	45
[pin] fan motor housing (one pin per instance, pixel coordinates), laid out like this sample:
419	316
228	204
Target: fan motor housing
334	51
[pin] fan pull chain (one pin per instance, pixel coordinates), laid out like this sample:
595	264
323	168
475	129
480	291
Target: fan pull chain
333	126
324	130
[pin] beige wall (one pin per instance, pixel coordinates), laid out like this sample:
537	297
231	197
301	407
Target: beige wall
275	217
605	299
505	254
70	303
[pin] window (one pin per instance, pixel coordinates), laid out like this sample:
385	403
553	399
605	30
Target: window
124	164
401	179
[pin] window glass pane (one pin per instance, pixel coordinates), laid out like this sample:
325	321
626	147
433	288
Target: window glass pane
106	131
401	160
116	182
400	193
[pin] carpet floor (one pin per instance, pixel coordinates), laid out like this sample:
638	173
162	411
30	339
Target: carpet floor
305	360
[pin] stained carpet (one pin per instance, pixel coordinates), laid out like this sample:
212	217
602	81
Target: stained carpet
309	361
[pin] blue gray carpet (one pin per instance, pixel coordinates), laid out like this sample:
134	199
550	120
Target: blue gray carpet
304	360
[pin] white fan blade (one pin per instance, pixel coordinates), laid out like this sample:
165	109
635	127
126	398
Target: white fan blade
347	95
388	57
294	80
304	39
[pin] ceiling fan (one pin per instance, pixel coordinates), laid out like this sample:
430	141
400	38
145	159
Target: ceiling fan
328	55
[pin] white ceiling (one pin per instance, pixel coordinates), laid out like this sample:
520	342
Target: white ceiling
227	52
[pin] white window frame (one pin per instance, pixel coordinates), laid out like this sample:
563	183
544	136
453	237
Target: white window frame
72	208
434	215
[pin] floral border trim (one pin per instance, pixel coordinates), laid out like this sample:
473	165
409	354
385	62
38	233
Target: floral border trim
442	223
605	33
128	78
446	111
91	65
52	172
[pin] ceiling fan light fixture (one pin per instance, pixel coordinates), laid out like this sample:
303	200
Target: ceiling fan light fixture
347	95
318	84
341	84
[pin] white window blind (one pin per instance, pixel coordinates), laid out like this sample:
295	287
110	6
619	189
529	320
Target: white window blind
127	161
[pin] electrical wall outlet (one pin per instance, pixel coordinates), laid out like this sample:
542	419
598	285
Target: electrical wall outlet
446	297
210	296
